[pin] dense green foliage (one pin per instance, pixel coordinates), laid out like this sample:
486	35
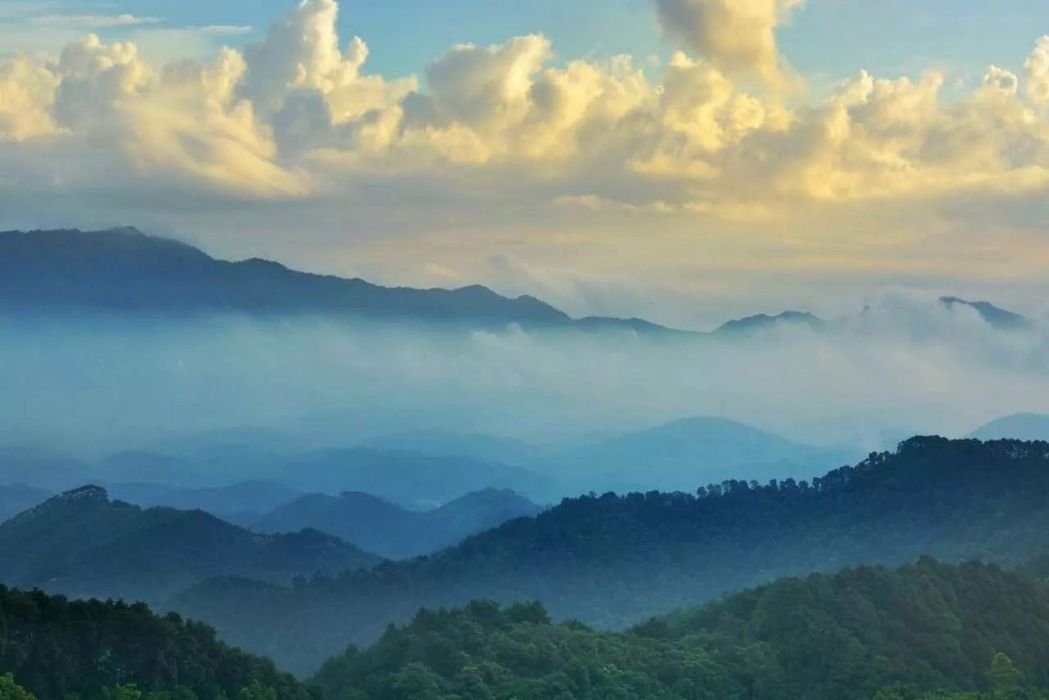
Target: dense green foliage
83	544
858	634
612	561
57	648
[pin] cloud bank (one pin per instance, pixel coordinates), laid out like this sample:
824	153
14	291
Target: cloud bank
296	111
905	365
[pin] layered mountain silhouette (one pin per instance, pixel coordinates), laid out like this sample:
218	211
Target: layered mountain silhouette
125	271
391	531
239	503
611	561
82	543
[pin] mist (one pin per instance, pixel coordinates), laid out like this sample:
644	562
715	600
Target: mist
92	385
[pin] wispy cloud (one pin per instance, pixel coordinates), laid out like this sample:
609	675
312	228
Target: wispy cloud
227	29
122	20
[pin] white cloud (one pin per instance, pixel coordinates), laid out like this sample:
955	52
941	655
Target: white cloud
1038	73
737	36
227	29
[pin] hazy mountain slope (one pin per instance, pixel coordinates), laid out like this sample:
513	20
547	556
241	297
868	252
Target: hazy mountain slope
391	531
14	498
242	501
611	561
1000	318
60	649
409	479
761	322
125	271
1022	426
39	469
83	544
689	453
846	636
484	448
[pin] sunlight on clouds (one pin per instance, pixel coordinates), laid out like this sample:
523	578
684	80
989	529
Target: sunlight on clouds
738	36
295	115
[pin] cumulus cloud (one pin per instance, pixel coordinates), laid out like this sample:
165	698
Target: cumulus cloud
1038	73
738	36
296	116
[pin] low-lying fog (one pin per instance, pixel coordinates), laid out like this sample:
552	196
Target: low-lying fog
902	366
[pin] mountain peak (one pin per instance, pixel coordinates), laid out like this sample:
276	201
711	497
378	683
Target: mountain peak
84	494
763	321
997	317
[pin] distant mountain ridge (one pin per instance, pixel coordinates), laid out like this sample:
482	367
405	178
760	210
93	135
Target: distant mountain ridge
762	321
689	452
1021	426
392	531
126	271
81	543
998	317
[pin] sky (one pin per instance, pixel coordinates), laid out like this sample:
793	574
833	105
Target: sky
687	161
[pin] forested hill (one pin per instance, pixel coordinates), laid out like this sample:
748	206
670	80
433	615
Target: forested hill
64	650
854	635
84	544
612	561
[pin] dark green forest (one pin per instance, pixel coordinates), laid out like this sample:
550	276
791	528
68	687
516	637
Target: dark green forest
60	649
863	633
82	543
926	630
612	561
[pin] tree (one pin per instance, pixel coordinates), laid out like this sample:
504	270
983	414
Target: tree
1004	676
9	690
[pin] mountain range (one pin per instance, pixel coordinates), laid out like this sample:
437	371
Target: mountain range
82	543
394	532
611	561
126	272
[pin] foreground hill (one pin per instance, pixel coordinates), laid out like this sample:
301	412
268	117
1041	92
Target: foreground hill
391	531
60	649
847	636
83	544
613	560
127	272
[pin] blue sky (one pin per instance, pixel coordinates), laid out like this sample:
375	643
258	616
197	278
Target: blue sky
827	39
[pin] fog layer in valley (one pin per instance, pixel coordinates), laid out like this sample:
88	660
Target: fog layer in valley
905	365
